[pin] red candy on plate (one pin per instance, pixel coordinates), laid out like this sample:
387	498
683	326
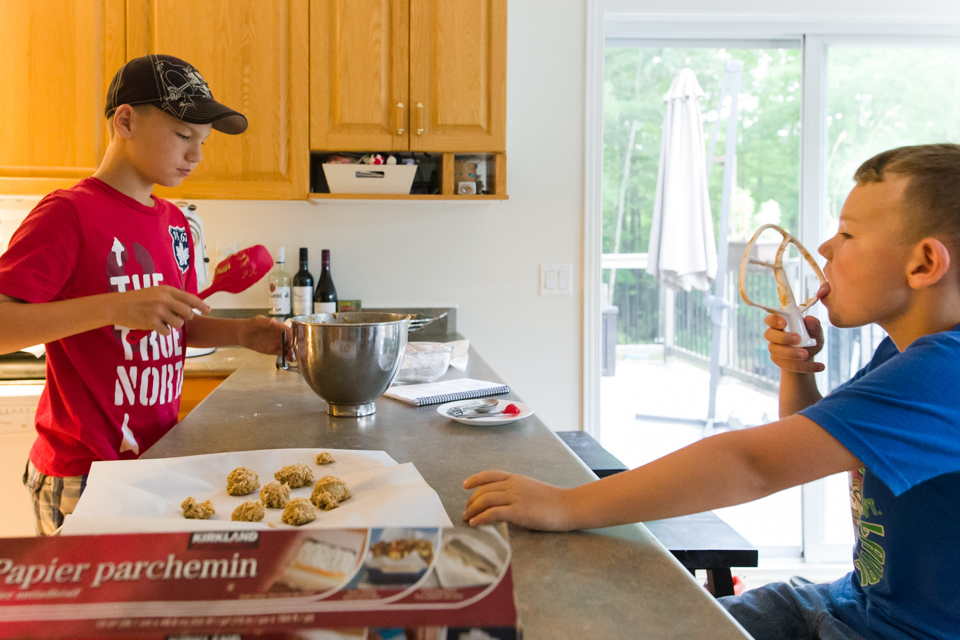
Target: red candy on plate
511	409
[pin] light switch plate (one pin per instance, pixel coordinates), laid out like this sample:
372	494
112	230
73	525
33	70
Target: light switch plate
556	279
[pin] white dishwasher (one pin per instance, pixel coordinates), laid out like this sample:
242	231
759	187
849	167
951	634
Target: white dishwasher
18	406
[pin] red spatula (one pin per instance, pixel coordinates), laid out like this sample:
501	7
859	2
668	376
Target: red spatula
240	271
235	273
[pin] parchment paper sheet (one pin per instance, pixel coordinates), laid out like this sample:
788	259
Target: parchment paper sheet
144	495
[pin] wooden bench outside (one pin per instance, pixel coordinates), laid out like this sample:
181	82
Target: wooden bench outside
698	541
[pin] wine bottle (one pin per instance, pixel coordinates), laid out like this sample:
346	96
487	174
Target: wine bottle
325	301
280	288
302	287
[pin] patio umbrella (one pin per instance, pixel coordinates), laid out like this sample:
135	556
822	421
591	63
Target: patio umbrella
682	250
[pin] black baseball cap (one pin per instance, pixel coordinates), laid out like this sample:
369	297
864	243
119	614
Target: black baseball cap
174	86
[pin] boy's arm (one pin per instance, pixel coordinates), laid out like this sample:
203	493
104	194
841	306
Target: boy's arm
798	385
154	308
258	333
720	471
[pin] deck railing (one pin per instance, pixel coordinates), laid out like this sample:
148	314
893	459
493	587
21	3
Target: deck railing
645	312
650	314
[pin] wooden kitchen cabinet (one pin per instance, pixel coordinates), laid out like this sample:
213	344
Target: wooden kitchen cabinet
359	74
254	56
58	59
60	56
458	75
329	75
410	75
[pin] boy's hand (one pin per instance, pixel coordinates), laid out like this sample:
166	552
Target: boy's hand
783	348
505	497
263	334
156	308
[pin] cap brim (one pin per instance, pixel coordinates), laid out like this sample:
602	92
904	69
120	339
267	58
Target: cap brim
222	117
232	123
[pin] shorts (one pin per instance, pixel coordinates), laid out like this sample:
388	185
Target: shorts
779	611
52	497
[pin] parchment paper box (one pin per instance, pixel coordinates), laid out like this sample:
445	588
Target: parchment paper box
282	584
370	178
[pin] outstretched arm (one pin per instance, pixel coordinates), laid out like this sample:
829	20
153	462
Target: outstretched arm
258	333
720	471
154	308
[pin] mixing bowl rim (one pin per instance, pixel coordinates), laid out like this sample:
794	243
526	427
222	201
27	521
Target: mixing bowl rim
298	319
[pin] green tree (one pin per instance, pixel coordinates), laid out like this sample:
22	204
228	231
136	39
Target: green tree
767	148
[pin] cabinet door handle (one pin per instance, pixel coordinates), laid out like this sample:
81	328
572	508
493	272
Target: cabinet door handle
419	118
399	118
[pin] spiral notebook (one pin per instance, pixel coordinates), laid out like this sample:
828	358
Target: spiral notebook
445	391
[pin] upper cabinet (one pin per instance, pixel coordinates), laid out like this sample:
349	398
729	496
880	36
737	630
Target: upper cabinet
323	75
408	75
253	54
58	59
458	75
359	76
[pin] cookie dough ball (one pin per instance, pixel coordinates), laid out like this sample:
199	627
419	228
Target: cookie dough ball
334	486
275	495
249	511
325	501
296	475
325	458
197	511
242	481
298	512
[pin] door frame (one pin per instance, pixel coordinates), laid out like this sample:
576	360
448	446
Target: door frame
816	32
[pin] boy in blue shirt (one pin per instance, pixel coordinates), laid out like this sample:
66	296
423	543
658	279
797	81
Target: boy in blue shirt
895	426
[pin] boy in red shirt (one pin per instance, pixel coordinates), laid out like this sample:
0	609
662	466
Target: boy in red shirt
93	262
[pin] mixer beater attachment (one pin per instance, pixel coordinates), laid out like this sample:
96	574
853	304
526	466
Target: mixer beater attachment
789	308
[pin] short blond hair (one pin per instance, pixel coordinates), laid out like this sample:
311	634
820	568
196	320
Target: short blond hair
931	200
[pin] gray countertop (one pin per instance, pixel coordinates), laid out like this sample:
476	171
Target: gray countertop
610	583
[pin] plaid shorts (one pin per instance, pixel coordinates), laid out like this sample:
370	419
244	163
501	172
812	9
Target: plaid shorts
52	497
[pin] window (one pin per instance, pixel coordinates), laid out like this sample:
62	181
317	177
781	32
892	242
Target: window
879	96
856	95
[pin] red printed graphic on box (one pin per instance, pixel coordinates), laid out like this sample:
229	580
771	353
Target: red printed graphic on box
245	581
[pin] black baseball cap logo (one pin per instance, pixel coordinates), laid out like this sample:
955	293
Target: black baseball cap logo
175	86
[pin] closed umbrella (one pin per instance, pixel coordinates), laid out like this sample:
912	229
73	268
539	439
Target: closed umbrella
682	250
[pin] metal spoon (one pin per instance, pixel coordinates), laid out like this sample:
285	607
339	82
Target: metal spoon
483	406
495	414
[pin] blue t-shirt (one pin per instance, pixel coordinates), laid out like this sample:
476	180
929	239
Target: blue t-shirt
900	415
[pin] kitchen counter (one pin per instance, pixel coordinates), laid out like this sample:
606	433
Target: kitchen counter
617	582
222	362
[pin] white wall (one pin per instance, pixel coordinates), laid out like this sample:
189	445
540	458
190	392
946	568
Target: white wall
482	257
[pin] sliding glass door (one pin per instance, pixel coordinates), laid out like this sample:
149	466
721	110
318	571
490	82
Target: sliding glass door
811	109
880	93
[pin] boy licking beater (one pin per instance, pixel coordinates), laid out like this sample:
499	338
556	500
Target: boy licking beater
895	426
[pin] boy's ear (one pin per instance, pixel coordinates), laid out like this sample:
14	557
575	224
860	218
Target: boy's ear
123	120
929	261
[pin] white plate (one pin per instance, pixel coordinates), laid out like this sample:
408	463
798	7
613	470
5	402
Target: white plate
193	352
525	410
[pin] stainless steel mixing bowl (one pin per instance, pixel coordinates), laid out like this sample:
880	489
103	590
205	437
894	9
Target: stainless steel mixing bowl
349	359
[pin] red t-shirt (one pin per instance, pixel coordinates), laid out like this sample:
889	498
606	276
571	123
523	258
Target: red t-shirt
104	399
